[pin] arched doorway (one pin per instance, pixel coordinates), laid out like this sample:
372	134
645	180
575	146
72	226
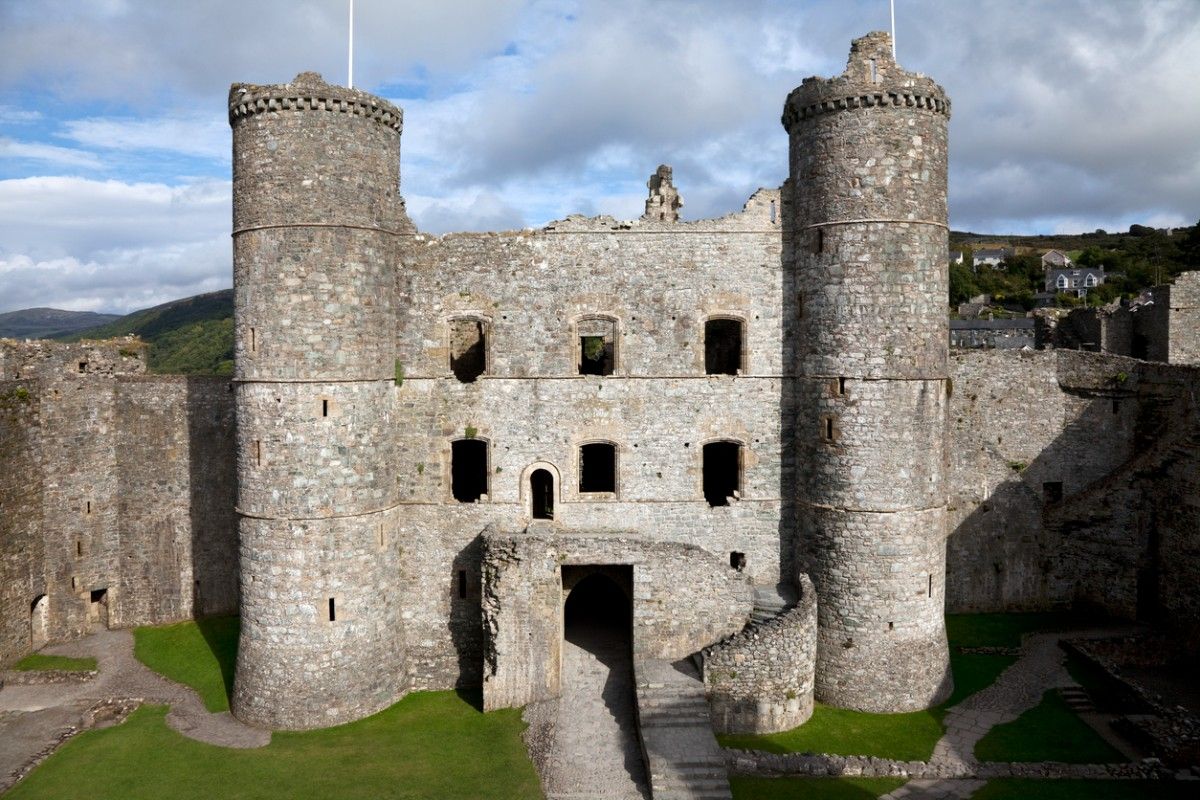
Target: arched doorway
39	622
597	614
541	494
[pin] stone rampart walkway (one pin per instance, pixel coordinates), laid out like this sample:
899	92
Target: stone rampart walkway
34	719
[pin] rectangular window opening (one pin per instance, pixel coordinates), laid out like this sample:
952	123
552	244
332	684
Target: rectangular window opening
253	341
462	584
931	586
258	452
722	346
468	469
98	595
468	349
841	386
332	610
827	428
87	507
382	537
737	560
1052	491
83	366
772	211
722	472
78	547
324	408
598	467
597	346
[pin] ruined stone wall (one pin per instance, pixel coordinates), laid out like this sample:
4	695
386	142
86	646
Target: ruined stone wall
317	214
868	249
175	462
683	598
761	679
118	482
533	291
1184	330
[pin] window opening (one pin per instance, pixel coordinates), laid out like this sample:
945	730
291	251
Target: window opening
597	346
462	583
931	586
874	72
468	349
772	211
258	452
541	494
88	507
382	537
722	472
324	408
1116	406
841	385
737	560
253	342
598	467
332	610
1052	491
827	428
83	366
78	547
722	346
98	595
468	469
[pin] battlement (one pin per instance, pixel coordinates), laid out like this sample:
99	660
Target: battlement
872	79
308	91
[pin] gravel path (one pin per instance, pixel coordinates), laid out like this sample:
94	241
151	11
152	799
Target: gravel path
35	718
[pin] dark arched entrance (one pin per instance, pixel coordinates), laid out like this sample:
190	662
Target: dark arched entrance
541	493
597	613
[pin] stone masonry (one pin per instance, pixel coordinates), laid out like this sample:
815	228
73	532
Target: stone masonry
868	250
763	398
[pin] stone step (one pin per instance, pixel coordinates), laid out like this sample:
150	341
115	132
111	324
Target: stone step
1077	699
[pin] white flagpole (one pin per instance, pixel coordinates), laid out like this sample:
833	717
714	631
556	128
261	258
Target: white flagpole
350	70
891	3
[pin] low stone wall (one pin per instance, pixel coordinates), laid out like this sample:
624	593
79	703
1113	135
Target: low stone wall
761	679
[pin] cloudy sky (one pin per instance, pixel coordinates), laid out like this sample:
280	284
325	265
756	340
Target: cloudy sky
1069	115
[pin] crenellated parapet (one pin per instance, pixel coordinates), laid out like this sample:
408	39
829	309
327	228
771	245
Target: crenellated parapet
309	92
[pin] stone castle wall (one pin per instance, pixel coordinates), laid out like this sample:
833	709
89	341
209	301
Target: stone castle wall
314	254
868	250
117	508
760	680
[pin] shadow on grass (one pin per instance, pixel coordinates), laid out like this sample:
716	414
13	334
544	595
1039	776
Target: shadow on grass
221	636
472	696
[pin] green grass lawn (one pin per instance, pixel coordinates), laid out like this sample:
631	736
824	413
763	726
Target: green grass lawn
36	661
430	744
1004	630
746	788
200	654
913	736
1043	789
1050	731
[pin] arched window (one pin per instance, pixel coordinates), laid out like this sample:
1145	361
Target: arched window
598	467
468	469
723	345
1090	280
468	348
596	345
722	472
541	494
1062	282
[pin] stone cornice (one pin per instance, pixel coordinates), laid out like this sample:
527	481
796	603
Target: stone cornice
807	102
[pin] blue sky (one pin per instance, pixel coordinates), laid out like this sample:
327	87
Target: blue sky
1069	115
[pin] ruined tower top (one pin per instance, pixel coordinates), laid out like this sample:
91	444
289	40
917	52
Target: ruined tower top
664	201
872	78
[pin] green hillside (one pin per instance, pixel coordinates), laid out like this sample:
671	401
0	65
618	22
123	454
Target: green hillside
48	323
193	336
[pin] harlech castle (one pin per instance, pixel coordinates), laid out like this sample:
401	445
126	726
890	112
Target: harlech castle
749	430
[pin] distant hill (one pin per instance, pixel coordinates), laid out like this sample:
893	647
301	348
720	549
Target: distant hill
48	323
193	336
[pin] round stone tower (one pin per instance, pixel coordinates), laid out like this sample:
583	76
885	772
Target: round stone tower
316	215
866	238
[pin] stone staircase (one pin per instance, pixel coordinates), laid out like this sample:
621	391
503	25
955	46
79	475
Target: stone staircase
682	755
1077	699
771	601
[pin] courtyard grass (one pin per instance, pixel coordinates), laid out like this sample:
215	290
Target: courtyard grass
912	736
1070	789
37	661
200	654
430	744
749	788
1050	731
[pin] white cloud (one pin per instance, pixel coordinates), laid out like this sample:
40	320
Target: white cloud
112	245
11	115
206	136
48	153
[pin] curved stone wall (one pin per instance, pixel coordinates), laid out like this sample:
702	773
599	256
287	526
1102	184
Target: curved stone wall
868	248
316	218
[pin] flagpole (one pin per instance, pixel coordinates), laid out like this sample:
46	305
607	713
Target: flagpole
350	68
891	4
